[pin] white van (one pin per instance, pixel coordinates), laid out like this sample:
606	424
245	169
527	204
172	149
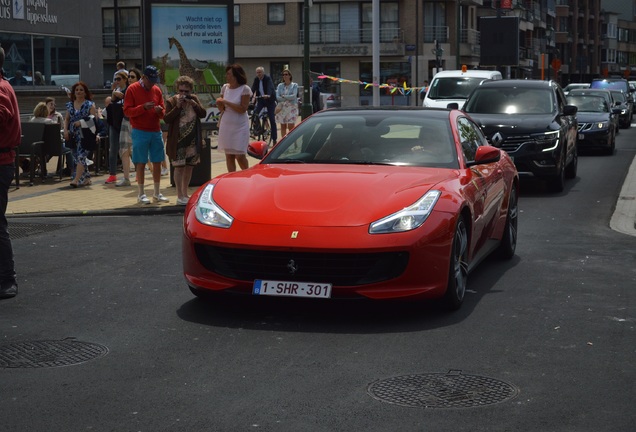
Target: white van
454	86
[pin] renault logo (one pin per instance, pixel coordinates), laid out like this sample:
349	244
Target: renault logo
292	267
497	139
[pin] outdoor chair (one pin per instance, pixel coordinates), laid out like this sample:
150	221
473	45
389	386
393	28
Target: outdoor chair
54	146
31	146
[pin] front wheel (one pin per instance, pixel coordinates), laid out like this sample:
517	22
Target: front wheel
508	243
570	171
458	271
557	183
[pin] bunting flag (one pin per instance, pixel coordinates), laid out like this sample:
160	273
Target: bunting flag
391	88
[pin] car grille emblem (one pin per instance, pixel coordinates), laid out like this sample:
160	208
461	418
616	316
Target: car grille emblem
497	139
292	267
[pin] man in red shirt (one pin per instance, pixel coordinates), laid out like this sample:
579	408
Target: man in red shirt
143	105
11	136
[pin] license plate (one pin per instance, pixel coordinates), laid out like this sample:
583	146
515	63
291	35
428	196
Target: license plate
581	136
291	289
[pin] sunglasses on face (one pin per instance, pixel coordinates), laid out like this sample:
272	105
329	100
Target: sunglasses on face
117	79
285	74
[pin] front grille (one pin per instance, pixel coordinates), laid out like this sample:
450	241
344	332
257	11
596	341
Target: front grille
511	143
584	126
344	269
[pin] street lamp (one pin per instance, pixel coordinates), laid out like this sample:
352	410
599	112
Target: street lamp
548	35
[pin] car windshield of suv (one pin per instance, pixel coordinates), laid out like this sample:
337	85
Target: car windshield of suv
510	101
588	103
453	87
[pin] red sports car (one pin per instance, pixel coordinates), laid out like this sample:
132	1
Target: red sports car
391	202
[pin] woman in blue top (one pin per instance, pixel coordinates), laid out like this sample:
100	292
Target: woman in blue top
287	97
80	108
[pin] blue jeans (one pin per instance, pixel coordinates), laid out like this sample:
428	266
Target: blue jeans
113	150
7	266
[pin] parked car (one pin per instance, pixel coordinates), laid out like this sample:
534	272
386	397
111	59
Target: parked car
329	100
620	101
531	120
568	88
366	202
598	121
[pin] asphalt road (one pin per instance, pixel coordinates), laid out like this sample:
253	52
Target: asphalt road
549	336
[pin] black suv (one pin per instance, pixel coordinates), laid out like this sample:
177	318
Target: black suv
531	121
616	84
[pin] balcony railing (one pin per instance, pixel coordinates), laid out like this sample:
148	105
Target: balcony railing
132	40
355	36
436	33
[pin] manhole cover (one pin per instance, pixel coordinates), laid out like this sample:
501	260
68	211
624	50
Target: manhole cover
21	230
41	354
438	390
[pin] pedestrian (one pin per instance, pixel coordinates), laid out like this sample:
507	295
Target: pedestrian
143	105
11	136
183	113
81	109
114	118
234	127
287	98
265	96
125	138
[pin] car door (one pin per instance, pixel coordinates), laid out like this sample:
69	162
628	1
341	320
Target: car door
486	182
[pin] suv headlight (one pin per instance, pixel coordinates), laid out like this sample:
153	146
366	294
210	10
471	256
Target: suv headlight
600	125
408	218
209	213
547	141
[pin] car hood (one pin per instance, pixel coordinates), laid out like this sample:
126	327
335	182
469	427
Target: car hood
322	195
514	123
590	117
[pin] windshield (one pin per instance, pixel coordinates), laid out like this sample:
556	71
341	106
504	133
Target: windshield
588	103
369	138
453	87
511	101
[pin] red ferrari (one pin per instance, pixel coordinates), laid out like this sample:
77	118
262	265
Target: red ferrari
380	203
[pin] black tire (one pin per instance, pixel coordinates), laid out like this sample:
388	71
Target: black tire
508	243
571	169
458	269
610	150
557	183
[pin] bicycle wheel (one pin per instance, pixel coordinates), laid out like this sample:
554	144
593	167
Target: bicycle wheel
266	131
255	127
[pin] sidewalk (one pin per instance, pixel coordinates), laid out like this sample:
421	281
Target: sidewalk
56	198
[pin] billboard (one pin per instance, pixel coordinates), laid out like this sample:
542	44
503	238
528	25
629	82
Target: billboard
499	41
192	38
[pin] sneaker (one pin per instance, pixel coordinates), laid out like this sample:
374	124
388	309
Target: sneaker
143	199
182	201
160	198
111	179
123	182
164	172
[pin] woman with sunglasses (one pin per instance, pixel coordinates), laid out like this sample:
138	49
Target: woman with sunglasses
114	117
287	98
125	137
80	107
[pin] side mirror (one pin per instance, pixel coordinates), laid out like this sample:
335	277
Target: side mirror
486	154
257	149
569	110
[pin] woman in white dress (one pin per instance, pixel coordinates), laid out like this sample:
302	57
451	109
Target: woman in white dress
287	98
234	127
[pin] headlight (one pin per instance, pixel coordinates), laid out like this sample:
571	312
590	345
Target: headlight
209	213
408	218
548	140
600	125
623	112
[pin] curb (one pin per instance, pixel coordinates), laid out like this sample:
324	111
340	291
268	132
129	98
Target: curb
142	211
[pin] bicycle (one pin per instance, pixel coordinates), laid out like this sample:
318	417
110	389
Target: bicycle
260	128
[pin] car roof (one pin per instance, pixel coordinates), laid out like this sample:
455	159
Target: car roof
522	83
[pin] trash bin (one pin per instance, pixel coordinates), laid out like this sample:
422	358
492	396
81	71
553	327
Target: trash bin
202	171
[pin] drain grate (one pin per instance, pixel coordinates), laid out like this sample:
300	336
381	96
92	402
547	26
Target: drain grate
22	230
52	353
438	390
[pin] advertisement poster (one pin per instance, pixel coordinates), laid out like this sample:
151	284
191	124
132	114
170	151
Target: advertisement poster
193	40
